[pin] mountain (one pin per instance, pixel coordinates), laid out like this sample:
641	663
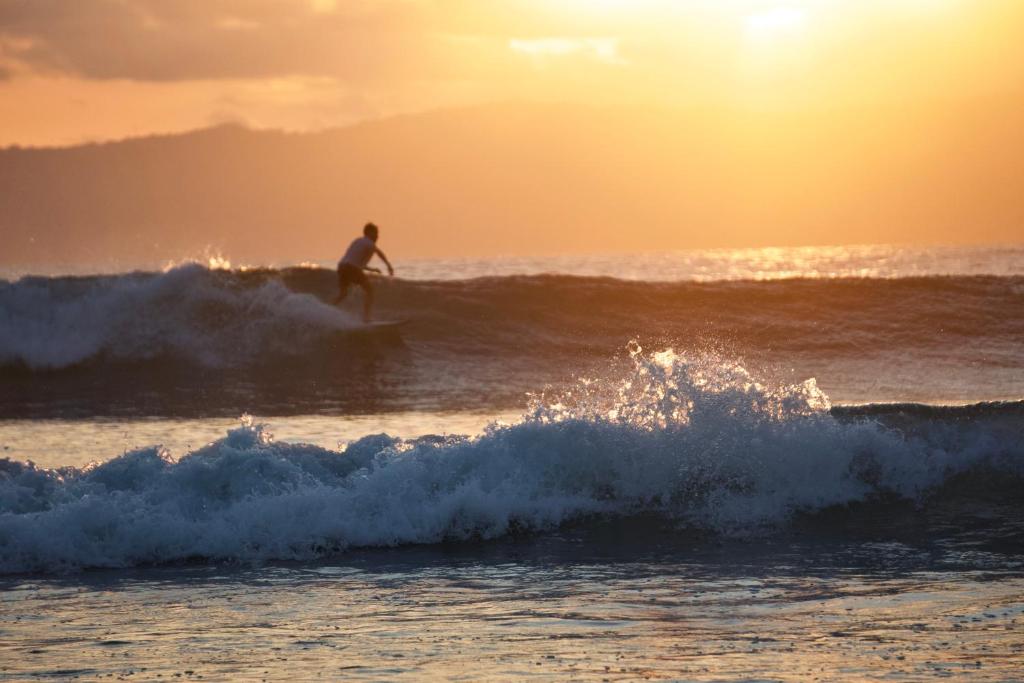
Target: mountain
522	179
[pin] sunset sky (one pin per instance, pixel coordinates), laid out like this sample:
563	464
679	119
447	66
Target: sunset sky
80	70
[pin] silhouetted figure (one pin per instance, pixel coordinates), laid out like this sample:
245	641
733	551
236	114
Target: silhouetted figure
353	266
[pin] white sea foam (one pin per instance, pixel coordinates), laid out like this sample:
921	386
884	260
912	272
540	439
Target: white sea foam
698	439
189	311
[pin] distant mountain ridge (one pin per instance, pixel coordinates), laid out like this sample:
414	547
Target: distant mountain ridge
521	179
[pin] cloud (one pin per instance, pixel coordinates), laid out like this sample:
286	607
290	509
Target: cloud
540	49
165	40
310	63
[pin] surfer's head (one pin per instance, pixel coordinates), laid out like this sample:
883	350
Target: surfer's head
371	231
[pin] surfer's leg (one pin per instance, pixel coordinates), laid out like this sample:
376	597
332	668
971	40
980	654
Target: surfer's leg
367	301
342	286
342	293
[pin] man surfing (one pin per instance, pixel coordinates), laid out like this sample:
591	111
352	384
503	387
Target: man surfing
353	266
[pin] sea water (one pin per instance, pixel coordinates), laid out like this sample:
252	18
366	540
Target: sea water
756	465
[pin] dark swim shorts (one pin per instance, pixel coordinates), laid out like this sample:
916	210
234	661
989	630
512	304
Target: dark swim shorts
350	275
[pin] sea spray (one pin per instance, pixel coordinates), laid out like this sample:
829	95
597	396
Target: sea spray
695	439
205	317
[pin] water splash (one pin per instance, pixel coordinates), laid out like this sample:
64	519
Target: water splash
187	313
666	389
697	439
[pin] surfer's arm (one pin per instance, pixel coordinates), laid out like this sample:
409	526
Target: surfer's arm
391	271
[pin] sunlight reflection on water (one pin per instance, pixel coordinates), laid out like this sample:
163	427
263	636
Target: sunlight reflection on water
769	263
698	265
502	619
55	443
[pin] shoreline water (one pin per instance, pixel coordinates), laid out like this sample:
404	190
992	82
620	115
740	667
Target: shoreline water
626	606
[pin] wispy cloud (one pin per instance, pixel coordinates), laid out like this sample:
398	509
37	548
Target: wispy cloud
541	49
166	40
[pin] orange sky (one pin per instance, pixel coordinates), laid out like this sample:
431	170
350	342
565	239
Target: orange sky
562	125
102	69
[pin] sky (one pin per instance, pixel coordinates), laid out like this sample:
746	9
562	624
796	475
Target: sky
73	71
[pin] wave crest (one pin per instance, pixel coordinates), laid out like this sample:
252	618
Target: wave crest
695	438
202	316
218	318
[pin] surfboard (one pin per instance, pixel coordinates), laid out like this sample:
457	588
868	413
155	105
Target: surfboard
381	326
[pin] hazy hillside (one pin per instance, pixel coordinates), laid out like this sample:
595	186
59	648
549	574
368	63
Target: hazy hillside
522	179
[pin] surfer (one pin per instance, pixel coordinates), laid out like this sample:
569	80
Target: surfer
352	267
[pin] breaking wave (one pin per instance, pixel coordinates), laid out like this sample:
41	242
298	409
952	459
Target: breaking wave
696	439
221	319
209	318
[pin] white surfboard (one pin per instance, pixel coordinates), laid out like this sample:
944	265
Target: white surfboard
382	325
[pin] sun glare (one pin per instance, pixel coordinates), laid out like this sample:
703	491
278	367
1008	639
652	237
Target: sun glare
775	21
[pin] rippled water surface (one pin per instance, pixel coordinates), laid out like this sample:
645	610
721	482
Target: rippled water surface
537	607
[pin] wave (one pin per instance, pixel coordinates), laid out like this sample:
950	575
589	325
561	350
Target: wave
220	318
207	317
695	439
193	341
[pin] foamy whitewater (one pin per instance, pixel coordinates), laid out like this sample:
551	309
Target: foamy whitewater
698	440
188	312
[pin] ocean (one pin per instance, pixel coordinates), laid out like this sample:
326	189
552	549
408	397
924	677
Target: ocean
726	465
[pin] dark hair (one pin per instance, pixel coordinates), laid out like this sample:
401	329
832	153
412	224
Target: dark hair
369	229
